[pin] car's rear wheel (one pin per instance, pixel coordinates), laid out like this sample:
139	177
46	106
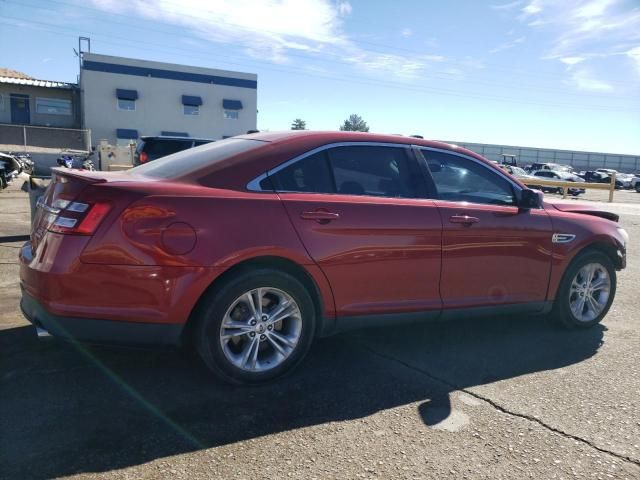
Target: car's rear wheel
587	290
257	327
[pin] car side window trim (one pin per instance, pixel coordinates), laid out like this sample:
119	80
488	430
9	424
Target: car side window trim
254	185
517	189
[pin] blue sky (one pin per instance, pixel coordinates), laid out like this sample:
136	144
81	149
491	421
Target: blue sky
547	73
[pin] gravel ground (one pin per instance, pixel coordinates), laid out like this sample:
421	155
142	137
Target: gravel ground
485	398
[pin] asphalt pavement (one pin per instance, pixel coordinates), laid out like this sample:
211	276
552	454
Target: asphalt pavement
511	397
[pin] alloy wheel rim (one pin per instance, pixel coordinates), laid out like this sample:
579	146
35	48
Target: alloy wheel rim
589	292
261	329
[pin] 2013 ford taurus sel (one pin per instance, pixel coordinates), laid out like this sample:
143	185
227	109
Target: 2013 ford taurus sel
251	247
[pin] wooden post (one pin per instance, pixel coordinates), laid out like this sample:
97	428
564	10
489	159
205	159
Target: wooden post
612	187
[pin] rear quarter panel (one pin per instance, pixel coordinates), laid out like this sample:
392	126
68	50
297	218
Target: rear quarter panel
209	228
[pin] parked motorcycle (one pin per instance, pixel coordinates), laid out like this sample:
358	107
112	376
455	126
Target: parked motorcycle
3	177
10	167
24	160
76	159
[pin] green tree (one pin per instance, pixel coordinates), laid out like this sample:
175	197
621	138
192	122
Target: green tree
354	123
299	124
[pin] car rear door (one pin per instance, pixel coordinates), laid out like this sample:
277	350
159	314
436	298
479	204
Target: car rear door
493	253
361	214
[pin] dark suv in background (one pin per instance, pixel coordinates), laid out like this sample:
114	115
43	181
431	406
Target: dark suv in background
152	148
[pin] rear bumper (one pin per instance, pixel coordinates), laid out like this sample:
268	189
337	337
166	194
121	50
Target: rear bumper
139	294
99	331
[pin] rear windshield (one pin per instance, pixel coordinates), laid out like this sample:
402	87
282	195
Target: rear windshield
193	159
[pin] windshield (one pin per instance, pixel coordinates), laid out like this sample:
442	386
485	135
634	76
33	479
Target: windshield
188	161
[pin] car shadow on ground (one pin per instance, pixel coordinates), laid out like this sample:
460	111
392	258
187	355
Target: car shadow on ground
68	409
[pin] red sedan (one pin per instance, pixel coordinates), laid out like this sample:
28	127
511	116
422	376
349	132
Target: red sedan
251	247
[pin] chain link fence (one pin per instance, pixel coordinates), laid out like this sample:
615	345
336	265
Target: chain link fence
29	138
576	159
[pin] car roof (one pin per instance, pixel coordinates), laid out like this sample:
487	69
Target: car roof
174	137
313	137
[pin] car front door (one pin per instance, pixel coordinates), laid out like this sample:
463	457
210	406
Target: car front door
362	216
493	252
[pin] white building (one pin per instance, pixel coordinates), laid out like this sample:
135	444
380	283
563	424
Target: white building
124	99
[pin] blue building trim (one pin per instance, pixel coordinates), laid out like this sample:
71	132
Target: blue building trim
127	133
167	74
123	94
231	104
191	100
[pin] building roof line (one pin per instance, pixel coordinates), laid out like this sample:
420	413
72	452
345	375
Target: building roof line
34	82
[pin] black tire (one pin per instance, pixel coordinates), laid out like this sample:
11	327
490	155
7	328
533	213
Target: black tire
561	312
212	310
638	187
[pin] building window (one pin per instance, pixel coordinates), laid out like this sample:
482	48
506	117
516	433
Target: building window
191	104
126	99
125	104
53	106
191	109
231	114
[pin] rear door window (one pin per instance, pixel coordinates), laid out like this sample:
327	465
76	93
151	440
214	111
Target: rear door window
375	170
352	170
310	174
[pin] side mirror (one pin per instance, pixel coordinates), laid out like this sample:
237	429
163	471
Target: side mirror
530	199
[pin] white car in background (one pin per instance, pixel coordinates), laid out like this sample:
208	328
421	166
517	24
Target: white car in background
628	180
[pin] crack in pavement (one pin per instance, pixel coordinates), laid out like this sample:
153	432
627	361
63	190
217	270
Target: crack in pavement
497	406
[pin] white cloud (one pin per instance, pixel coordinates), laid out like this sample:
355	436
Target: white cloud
593	9
344	8
507	45
583	79
634	56
572	60
406	32
533	7
507	6
402	67
271	24
273	29
592	33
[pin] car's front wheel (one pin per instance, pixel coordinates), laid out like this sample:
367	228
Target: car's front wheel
586	291
258	326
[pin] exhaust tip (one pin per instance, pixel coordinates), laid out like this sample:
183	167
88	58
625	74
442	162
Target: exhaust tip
43	334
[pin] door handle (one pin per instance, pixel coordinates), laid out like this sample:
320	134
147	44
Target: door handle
463	219
321	216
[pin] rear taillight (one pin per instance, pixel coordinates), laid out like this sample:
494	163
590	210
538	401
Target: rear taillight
79	218
144	157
